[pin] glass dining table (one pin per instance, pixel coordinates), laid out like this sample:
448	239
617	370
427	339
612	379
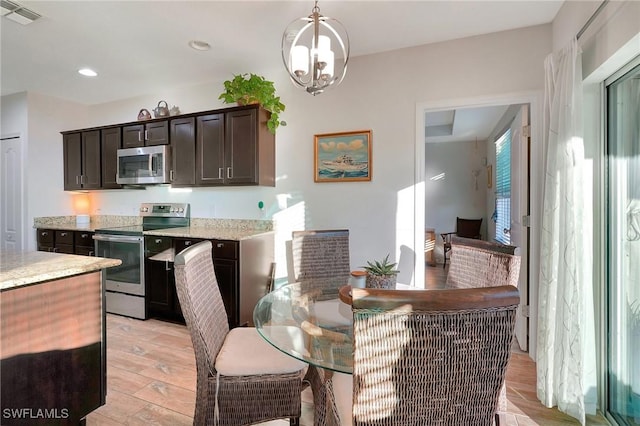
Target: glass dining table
311	320
308	321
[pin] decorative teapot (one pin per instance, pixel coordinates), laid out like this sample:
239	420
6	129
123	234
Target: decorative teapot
161	111
144	114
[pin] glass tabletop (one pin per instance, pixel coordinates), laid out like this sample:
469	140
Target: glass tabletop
308	321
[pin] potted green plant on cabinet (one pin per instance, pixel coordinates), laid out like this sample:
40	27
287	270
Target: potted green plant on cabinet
245	89
381	274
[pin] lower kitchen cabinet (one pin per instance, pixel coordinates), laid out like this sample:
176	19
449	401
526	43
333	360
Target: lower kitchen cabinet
162	298
65	241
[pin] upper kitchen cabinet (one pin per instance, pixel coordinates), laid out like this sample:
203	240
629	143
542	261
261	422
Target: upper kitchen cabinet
235	148
210	150
111	142
183	147
82	160
147	134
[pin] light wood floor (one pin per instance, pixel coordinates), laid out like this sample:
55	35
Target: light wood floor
151	378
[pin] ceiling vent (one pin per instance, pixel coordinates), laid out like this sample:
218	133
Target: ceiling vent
18	13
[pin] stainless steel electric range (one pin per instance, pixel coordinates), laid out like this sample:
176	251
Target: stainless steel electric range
125	284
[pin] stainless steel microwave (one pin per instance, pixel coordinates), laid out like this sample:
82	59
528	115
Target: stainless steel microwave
145	165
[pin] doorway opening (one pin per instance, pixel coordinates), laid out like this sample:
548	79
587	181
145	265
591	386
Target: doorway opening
459	179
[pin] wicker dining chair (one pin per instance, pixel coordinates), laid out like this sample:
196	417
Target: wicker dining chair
477	263
320	253
320	259
241	379
430	356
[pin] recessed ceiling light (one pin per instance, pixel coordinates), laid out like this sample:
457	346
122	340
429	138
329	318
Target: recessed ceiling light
88	72
199	45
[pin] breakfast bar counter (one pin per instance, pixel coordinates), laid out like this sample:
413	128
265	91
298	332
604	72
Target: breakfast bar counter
52	337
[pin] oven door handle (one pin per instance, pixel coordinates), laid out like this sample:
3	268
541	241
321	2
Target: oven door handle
118	238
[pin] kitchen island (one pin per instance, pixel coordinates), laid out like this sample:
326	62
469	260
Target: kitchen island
52	337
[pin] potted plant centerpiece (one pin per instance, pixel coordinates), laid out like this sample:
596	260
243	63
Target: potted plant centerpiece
381	274
245	89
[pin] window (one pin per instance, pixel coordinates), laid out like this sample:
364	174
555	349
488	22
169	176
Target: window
502	214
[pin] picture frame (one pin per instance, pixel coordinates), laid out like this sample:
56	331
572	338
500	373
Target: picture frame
342	156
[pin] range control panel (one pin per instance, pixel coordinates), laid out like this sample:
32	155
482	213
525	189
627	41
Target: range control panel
164	209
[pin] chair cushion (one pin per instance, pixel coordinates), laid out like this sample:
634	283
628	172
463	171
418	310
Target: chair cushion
245	352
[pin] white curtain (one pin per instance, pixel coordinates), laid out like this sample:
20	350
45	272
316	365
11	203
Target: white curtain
566	338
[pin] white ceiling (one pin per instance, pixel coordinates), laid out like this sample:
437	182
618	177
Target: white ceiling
462	124
140	47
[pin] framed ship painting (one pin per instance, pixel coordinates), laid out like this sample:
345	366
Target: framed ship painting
343	157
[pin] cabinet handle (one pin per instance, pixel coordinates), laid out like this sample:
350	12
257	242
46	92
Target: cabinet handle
220	173
55	249
44	233
146	135
90	252
63	234
171	175
83	236
220	245
166	265
158	240
139	136
187	243
228	172
77	180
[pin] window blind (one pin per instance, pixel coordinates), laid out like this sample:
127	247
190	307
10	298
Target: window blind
503	188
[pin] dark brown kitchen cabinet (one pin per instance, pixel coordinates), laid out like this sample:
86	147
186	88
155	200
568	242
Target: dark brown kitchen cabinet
210	150
65	241
82	161
83	243
235	148
249	148
226	266
137	135
161	298
183	148
45	239
111	141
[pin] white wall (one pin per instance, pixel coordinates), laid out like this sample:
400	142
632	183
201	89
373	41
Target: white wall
380	92
450	187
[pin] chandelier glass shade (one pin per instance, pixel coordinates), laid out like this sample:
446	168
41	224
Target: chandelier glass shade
315	51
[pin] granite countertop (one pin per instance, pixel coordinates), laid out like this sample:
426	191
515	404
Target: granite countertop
204	228
208	233
19	269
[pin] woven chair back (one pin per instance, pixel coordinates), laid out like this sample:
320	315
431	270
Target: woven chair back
431	356
320	254
476	263
201	301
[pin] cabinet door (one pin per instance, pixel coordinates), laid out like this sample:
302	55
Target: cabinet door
159	294
133	136
241	147
45	239
111	142
183	151
227	275
72	151
83	241
91	160
156	133
210	168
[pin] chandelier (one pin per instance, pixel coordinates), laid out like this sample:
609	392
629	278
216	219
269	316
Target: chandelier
307	51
